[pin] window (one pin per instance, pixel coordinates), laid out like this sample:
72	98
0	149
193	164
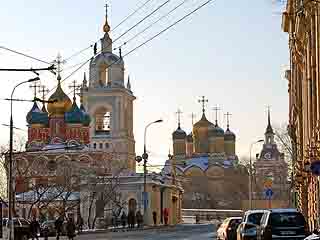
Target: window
94	145
255	218
100	145
287	219
106	145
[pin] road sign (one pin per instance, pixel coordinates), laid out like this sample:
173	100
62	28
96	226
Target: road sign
268	192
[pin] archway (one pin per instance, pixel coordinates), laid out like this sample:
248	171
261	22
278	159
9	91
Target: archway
132	205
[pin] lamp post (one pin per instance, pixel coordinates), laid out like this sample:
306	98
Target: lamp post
250	173
10	187
145	158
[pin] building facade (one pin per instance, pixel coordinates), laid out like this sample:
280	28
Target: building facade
301	21
207	163
80	158
271	171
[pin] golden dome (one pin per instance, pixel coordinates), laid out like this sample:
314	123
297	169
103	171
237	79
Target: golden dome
63	103
202	123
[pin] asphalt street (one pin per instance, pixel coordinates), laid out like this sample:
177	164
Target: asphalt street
181	232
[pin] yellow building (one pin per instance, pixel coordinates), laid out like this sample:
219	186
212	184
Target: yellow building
301	22
207	163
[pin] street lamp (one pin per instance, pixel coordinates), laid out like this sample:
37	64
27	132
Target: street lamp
250	172
10	187
145	158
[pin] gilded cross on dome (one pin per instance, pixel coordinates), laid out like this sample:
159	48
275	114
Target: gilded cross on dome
58	62
106	27
216	109
35	87
179	112
203	101
44	91
74	87
228	118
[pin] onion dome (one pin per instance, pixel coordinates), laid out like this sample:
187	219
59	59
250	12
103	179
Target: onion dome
36	116
62	102
202	123
229	136
190	138
216	131
75	115
179	134
86	119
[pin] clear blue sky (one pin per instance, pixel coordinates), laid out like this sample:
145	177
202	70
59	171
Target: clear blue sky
232	52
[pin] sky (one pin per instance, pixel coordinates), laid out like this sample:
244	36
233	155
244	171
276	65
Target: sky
232	52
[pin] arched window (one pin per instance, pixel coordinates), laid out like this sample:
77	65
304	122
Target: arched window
94	146
103	118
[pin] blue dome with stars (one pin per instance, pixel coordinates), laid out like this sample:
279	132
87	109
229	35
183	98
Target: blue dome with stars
75	115
86	117
37	116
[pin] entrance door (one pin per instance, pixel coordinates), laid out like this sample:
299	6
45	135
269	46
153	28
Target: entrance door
132	205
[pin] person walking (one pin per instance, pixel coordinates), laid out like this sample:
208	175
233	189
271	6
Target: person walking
123	219
139	219
80	224
71	229
154	216
58	225
34	228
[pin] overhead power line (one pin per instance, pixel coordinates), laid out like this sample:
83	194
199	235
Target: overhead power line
25	55
155	22
135	25
131	14
152	38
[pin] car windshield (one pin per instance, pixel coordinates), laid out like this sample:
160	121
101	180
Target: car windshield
287	219
255	218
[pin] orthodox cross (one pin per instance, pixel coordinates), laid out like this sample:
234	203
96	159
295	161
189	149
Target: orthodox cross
203	101
58	64
107	9
80	93
216	109
35	87
74	87
179	116
228	118
43	90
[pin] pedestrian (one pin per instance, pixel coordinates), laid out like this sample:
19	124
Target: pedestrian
123	219
58	225
139	219
132	219
154	216
166	216
34	228
71	229
80	224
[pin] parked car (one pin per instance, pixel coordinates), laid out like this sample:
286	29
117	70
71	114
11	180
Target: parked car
50	224
227	230
21	228
247	229
282	224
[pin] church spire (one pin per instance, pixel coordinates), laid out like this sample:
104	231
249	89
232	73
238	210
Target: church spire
106	27
179	118
216	109
228	120
106	42
128	83
269	129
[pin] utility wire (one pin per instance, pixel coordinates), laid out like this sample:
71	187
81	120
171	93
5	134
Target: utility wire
155	22
131	14
167	28
135	25
153	37
25	55
79	52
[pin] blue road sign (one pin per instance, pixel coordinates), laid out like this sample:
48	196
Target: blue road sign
268	192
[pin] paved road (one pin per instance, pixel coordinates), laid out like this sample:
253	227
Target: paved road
182	232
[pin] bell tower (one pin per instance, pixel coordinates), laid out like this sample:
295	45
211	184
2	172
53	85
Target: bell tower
109	103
